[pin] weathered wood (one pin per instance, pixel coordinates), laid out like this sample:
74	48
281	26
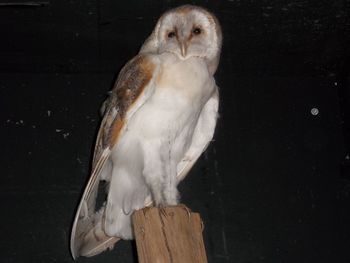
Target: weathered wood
170	234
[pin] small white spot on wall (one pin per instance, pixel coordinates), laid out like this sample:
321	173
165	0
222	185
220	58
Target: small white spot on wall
314	111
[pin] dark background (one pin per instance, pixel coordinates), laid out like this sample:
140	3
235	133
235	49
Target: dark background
274	186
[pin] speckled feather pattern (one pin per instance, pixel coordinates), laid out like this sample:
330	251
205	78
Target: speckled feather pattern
130	83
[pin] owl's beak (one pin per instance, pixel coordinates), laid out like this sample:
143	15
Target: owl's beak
183	48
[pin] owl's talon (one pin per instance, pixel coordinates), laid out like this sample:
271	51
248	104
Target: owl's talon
187	210
145	211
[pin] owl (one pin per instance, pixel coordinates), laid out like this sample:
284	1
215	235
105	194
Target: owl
158	119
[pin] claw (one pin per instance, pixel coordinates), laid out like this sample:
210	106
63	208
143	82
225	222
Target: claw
145	210
187	210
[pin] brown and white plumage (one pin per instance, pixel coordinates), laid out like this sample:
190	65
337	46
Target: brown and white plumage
158	119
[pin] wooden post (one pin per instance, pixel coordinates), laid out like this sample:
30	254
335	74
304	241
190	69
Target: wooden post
170	234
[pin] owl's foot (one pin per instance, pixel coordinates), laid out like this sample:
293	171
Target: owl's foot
168	197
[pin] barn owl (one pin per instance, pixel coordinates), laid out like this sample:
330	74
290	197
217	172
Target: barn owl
158	119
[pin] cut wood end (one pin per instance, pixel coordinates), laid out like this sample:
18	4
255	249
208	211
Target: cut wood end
169	234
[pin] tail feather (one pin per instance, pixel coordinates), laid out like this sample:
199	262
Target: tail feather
96	241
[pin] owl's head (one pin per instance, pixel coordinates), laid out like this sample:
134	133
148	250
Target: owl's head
187	31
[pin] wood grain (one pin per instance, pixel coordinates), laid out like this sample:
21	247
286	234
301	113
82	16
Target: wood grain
170	234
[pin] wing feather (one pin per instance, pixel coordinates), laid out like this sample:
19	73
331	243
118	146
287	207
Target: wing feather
131	90
203	134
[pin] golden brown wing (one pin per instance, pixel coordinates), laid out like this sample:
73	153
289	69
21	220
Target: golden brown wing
131	90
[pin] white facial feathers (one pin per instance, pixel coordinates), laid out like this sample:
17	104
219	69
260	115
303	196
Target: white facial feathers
187	31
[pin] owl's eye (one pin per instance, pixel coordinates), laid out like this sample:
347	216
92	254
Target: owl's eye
197	31
171	34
